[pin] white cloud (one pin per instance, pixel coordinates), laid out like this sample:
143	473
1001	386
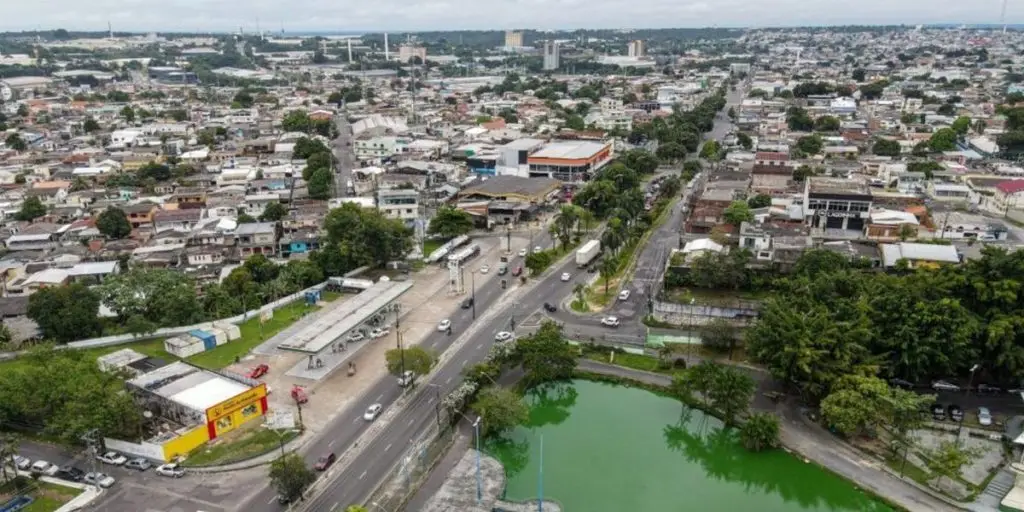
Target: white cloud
394	15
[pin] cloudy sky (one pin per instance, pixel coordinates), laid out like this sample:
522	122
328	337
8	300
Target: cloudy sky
396	15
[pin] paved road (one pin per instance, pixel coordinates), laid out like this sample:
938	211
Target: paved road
344	153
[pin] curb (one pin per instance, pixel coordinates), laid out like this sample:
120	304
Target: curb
252	462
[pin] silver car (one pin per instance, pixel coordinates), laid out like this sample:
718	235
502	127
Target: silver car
984	416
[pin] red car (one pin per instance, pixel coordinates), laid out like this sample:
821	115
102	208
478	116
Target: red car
259	371
324	462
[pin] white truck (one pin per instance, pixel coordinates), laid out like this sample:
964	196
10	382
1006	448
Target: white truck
587	253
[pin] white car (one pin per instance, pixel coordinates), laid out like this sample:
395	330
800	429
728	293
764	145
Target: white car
356	336
41	466
101	479
485	269
624	295
984	416
610	321
372	412
444	325
537	249
522	252
503	336
22	463
942	385
407	378
380	332
566	276
170	470
112	458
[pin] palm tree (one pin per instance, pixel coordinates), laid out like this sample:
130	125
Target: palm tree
566	218
607	271
8	448
579	290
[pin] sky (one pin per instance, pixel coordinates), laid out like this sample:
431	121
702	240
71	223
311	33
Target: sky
409	15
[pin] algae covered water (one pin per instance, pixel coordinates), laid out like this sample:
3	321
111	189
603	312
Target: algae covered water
609	448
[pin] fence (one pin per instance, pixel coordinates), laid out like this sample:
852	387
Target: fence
413	468
682	314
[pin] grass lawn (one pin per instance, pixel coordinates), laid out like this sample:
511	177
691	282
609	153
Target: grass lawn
329	296
252	335
48	497
240	445
634	361
430	245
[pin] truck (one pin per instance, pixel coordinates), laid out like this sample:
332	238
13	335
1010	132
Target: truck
587	253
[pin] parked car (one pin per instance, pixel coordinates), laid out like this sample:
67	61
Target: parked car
566	276
549	307
44	468
70	473
112	458
22	463
139	464
372	412
485	269
955	413
380	332
938	412
522	252
101	479
324	462
466	304
989	390
610	321
356	336
259	371
624	295
537	249
984	416
170	470
517	271
407	378
503	336
943	385
444	325
900	383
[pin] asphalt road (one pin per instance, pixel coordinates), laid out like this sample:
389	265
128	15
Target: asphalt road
344	152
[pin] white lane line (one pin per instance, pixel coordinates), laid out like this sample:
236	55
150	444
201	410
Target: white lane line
362	475
356	420
379	397
272	500
330	444
388	447
480	346
464	363
335	506
448	381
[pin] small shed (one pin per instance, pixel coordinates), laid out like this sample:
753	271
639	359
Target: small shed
208	339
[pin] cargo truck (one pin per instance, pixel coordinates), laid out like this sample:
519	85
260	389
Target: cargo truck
587	253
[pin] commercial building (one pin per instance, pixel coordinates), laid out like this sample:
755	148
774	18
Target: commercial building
399	203
407	52
551	55
201	404
508	199
572	161
513	40
834	203
635	48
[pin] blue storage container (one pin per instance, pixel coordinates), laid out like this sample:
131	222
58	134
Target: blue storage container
209	339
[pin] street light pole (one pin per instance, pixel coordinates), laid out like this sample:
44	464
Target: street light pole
472	299
967	392
479	483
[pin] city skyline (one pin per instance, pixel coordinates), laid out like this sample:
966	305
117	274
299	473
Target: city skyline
394	15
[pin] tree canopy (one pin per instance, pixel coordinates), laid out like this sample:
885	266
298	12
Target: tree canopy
450	222
113	223
360	236
546	355
499	410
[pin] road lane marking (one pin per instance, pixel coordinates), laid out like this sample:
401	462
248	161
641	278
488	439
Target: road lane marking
335	506
448	380
480	346
362	475
388	447
379	397
464	363
330	444
410	423
273	499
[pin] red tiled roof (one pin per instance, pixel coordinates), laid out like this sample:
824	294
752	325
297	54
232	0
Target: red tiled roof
771	155
1011	186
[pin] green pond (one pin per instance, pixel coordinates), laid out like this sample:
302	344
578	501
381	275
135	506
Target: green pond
609	448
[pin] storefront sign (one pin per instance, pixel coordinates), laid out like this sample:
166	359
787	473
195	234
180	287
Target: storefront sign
234	403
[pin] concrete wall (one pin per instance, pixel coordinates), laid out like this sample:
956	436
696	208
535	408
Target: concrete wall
147	450
684	314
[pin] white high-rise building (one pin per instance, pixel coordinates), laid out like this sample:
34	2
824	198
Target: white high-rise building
551	57
513	39
636	48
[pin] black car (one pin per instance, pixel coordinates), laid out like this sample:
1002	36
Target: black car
989	390
70	473
955	412
549	307
938	412
468	303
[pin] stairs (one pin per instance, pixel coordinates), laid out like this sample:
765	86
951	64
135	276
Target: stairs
1000	486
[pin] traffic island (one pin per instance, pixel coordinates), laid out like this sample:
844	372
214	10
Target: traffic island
459	491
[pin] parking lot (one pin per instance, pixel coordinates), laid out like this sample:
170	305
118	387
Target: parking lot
149	492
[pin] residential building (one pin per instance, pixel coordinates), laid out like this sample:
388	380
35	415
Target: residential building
402	203
551	55
513	40
256	238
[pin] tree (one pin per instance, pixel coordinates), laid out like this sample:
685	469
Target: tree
450	222
296	121
128	114
798	120
719	335
8	449
23	110
575	122
15	142
65	313
415	359
546	355
810	144
319	185
90	126
854	406
306	147
803	172
760	201
943	140
499	410
356	508
31	209
607	270
744	141
962	125
671	151
359	236
826	124
291	476
243	99
948	459
737	213
886	147
113	223
161	296
760	432
730	392
858	74
274	212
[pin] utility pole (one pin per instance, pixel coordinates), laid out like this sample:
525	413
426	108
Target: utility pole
472	298
92	441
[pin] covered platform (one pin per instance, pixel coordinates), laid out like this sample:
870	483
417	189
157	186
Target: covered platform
353	313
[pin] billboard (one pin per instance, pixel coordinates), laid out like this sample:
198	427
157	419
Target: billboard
237	410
